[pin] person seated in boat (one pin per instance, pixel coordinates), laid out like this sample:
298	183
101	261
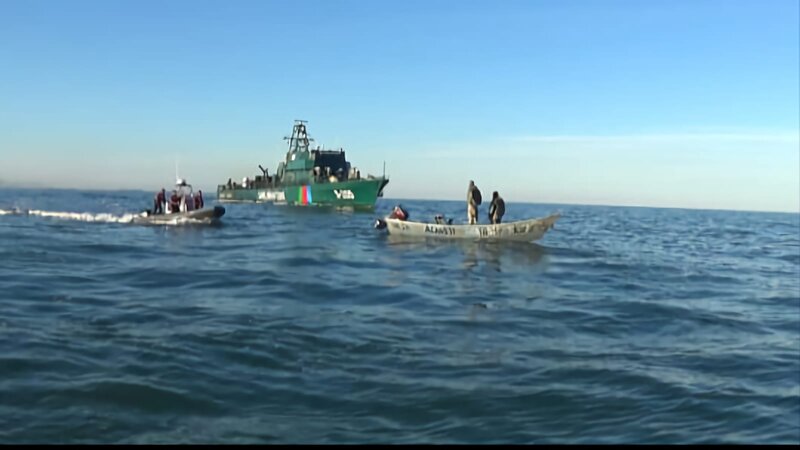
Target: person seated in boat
497	209
198	200
399	213
441	220
473	201
158	202
174	202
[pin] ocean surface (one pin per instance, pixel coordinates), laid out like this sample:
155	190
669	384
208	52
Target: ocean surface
291	325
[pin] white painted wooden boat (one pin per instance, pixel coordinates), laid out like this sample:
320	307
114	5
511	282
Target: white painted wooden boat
523	230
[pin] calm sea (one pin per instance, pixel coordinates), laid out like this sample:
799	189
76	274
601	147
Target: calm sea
284	325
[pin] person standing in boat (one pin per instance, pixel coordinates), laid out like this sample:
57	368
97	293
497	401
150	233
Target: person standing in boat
497	209
473	201
187	202
198	200
174	202
158	202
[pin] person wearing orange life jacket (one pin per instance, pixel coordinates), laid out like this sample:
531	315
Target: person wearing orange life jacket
399	213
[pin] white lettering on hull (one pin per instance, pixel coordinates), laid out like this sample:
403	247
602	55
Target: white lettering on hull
344	194
434	229
271	196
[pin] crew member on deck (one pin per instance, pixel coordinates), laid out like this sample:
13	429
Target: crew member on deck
198	200
174	202
187	202
158	202
497	209
473	200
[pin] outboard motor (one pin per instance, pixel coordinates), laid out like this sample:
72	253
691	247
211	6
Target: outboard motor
379	224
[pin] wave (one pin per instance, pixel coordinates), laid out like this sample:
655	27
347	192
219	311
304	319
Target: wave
138	218
85	217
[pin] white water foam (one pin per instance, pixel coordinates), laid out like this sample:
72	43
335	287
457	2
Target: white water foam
139	218
179	221
85	217
106	217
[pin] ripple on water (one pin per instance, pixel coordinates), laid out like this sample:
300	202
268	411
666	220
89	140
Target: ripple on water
623	325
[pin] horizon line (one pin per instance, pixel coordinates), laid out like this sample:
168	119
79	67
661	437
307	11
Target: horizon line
617	206
776	135
20	187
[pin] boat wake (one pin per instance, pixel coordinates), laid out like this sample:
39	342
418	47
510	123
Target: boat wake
137	218
85	217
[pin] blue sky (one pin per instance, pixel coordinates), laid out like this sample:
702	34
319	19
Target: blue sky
672	103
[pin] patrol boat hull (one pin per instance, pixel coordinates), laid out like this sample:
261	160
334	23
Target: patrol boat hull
308	177
352	193
524	230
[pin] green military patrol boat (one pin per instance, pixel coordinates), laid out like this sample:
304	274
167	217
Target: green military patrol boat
308	178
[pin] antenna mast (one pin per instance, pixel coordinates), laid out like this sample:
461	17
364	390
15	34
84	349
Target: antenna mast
299	140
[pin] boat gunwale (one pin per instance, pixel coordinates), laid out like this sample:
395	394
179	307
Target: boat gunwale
551	217
526	230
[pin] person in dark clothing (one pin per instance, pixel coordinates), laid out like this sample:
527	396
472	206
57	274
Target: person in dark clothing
158	202
198	200
497	209
174	202
473	201
440	219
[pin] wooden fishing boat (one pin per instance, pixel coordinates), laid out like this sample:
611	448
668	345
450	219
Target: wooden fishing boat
523	230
